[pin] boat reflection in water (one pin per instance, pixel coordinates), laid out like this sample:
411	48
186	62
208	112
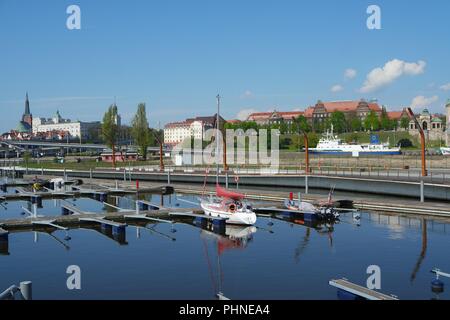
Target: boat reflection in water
230	237
325	228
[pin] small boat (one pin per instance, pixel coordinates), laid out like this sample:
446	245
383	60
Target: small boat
229	205
321	211
445	151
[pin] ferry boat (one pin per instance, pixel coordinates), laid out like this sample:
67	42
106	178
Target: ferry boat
229	205
331	144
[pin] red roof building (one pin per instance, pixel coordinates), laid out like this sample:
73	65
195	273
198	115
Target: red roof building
360	109
262	118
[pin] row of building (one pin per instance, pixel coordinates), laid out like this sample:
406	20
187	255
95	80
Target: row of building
58	128
433	124
55	128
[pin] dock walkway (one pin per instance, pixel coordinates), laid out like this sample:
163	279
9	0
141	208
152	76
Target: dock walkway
344	284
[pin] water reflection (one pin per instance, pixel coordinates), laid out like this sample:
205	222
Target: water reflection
237	258
230	238
423	252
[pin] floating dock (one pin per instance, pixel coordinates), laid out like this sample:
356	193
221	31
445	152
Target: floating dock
360	291
96	192
80	217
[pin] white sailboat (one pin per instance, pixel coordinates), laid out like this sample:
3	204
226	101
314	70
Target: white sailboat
227	204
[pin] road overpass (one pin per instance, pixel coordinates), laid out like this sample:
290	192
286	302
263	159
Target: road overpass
63	145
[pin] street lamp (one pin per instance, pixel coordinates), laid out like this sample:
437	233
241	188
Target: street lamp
306	141
422	140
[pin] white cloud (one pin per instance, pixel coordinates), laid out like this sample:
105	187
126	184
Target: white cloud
422	101
337	88
244	113
350	73
445	87
392	70
247	94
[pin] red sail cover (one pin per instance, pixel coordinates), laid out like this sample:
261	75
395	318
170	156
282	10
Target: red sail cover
224	193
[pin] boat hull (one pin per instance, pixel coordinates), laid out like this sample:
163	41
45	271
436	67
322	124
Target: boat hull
236	218
336	152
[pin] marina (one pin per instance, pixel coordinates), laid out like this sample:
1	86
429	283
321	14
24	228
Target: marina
142	223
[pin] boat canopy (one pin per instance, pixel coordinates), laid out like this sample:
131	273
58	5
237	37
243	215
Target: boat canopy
224	193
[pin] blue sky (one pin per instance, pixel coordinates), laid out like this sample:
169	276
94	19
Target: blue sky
177	55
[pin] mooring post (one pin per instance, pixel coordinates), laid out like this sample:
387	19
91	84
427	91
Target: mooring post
138	233
124	174
226	179
26	290
137	207
117	185
422	191
306	184
168	176
90	175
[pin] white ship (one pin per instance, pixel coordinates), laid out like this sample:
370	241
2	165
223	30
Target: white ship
331	144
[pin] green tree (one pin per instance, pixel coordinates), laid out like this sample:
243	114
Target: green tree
110	130
404	123
385	122
371	122
338	121
356	124
302	124
140	130
155	136
26	158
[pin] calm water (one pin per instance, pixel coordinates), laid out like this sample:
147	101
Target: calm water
286	260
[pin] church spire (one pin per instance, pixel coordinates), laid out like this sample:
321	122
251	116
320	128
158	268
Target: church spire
27	106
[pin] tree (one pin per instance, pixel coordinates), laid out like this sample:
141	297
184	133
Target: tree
356	124
338	121
155	136
140	130
371	122
385	122
404	123
405	143
26	158
302	124
110	130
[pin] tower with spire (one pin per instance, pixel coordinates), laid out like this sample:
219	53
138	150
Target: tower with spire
27	117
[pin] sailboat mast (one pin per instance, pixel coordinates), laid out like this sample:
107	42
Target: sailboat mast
217	139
